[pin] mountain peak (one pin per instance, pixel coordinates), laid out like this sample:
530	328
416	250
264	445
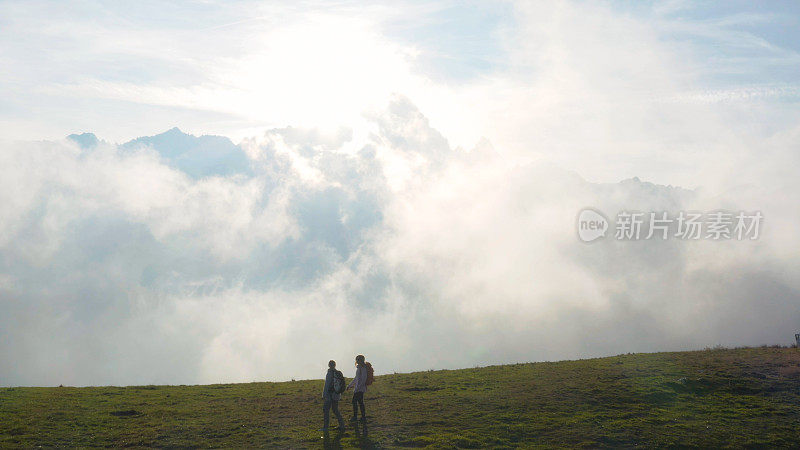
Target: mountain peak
84	140
197	156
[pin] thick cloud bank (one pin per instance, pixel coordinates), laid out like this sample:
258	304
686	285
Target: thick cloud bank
140	263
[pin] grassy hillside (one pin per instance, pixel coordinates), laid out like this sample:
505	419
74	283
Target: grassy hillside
741	397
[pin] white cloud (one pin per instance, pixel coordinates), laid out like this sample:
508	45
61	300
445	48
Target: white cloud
472	259
388	237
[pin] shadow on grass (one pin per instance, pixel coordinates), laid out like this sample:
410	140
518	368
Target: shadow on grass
334	443
362	435
333	440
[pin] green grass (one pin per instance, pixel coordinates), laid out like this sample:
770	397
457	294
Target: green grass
742	398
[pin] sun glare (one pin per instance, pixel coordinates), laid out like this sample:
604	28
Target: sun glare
321	72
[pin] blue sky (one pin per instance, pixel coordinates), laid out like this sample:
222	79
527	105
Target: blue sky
180	62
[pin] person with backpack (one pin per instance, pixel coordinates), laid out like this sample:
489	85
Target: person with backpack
364	377
331	394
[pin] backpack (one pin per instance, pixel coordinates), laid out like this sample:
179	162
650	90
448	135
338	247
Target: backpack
338	382
370	374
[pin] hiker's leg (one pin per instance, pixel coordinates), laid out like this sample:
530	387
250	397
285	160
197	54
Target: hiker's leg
361	404
355	405
335	408
326	413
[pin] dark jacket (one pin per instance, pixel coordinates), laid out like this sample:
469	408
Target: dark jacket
327	391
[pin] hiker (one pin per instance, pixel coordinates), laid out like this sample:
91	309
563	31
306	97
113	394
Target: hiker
331	394
359	384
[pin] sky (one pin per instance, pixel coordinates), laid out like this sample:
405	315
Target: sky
276	184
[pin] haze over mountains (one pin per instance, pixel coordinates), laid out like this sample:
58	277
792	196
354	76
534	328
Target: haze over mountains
190	259
196	156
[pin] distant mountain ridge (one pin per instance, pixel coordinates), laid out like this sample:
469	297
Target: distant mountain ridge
84	140
197	156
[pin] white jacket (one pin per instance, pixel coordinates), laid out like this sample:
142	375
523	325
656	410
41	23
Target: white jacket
360	381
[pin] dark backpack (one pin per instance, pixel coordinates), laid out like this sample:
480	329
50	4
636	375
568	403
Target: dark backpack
370	374
338	382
